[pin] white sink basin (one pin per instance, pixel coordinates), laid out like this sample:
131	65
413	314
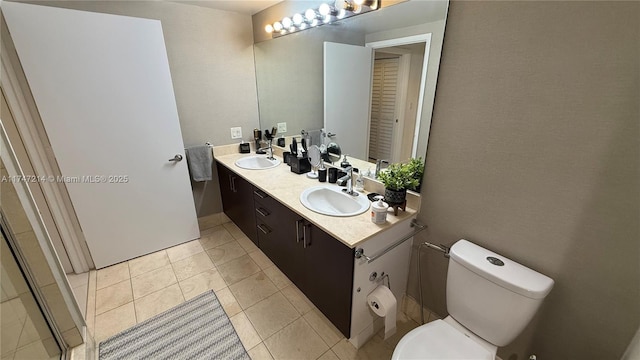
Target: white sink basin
257	162
330	200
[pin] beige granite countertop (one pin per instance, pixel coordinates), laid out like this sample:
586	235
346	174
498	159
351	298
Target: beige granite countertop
286	186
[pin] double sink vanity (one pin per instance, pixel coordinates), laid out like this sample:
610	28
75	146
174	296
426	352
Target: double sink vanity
314	244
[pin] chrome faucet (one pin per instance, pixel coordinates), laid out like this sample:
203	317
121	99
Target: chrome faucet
348	178
270	148
379	165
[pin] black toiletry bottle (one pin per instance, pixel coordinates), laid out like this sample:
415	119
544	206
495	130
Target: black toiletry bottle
344	164
322	175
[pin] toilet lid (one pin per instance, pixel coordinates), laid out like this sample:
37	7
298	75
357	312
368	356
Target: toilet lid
439	340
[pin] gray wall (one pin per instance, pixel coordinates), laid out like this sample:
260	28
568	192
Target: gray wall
534	154
211	60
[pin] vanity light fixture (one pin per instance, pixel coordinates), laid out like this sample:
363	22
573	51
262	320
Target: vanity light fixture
324	14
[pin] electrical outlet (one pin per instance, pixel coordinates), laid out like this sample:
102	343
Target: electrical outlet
236	133
282	127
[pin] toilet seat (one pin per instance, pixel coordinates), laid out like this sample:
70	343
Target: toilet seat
439	340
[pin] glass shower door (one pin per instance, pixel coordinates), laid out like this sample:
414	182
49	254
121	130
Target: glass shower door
24	332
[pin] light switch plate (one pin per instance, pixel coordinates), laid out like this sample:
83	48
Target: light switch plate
282	127
236	133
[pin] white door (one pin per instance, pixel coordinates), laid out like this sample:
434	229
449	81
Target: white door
103	88
347	91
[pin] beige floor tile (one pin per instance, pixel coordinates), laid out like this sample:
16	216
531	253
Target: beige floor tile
296	341
34	350
91	303
80	294
191	266
277	277
261	259
157	302
226	252
114	321
374	349
112	275
152	281
327	331
253	289
29	332
9	339
245	330
404	324
77	280
113	296
144	264
185	250
234	230
214	237
271	314
329	355
247	244
260	352
238	269
228	301
297	299
196	285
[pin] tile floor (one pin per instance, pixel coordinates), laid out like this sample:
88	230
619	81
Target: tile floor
272	317
80	286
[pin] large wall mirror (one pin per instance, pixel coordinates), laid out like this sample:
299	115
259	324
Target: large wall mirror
405	42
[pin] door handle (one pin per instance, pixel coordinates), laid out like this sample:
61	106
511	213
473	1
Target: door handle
233	184
176	158
330	135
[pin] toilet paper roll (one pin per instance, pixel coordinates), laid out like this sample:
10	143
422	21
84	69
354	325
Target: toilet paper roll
384	304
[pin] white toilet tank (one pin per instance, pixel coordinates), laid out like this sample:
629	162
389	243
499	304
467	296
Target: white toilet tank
491	295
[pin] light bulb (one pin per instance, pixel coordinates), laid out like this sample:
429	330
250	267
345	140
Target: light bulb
357	9
268	28
314	22
286	23
358	2
326	19
277	26
324	9
310	14
297	19
303	26
341	14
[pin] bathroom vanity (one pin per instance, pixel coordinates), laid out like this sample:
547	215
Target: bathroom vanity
317	252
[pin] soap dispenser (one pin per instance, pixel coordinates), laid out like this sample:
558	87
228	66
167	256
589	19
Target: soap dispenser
345	163
360	182
379	210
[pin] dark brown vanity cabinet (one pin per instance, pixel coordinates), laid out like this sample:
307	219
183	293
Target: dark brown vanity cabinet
237	201
317	263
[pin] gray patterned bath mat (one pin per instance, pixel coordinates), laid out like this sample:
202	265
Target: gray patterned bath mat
196	329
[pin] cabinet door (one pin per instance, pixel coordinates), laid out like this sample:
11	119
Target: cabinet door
328	269
237	201
277	229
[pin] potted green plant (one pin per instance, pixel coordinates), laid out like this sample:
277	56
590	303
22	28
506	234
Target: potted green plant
416	165
397	178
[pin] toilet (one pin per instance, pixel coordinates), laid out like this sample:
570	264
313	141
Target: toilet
490	300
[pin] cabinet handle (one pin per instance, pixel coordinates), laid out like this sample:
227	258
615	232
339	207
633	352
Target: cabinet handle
233	184
264	228
304	236
298	230
263	212
260	194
